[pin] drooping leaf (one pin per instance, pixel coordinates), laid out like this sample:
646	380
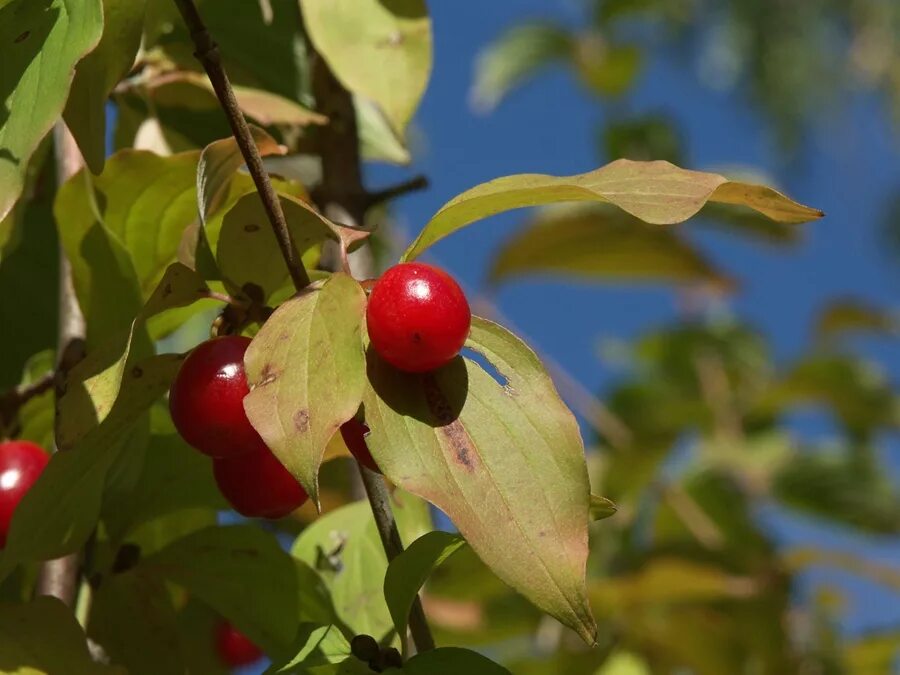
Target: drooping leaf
96	382
380	49
133	619
245	575
121	232
504	461
850	316
603	245
515	57
378	140
266	107
247	251
655	192
409	571
98	73
60	511
344	548
308	344
452	661
40	43
217	164
42	637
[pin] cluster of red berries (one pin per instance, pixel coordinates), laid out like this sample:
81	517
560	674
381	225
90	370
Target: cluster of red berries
418	320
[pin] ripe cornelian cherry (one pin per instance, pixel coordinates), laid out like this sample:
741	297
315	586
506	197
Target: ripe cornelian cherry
21	464
207	398
354	434
418	317
233	647
257	485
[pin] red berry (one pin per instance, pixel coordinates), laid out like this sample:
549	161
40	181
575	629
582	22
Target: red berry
418	317
21	464
234	648
354	434
257	485
207	398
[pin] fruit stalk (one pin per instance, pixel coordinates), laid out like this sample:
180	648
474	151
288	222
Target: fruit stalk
342	191
208	54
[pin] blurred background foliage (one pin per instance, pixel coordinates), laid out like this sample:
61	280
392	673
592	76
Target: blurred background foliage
695	438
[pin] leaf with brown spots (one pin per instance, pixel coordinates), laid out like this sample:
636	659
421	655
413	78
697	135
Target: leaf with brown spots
504	460
306	373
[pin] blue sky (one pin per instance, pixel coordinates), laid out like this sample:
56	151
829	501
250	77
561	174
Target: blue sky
850	167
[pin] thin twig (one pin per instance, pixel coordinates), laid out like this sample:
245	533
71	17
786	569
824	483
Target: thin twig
13	400
695	519
208	54
414	184
342	185
60	577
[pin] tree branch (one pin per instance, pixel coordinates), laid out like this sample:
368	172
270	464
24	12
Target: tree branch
344	198
208	54
11	401
414	184
60	577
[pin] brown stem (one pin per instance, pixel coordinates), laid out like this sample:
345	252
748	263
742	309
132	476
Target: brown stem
12	400
208	54
60	577
344	198
380	500
414	184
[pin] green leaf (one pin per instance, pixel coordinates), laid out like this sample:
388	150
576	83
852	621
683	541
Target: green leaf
847	315
174	477
247	251
655	192
840	487
218	163
452	661
380	49
245	575
344	547
95	383
515	57
603	245
308	344
122	232
504	461
133	619
873	653
608	70
98	73
318	646
601	508
409	571
27	273
42	637
60	511
40	43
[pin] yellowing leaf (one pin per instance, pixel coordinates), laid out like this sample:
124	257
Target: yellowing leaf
603	244
40	43
504	461
311	342
655	192
380	49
